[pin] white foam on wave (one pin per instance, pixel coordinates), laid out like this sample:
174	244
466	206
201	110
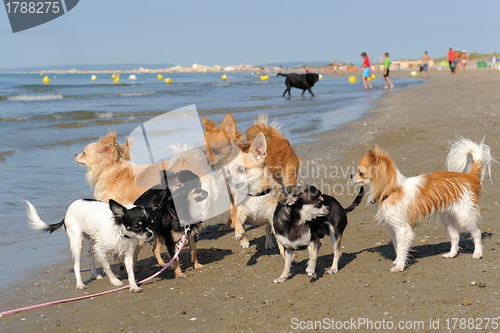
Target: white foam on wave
30	98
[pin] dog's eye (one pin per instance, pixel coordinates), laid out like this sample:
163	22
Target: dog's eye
240	169
318	204
137	227
83	154
362	174
216	151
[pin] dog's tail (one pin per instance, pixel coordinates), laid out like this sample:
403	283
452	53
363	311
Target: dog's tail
281	74
260	125
470	157
356	201
36	222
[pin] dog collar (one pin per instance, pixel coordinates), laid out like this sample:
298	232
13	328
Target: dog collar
261	193
122	234
374	202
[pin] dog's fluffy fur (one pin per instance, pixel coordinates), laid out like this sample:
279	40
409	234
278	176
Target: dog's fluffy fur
185	187
305	217
108	227
280	156
451	195
300	81
113	176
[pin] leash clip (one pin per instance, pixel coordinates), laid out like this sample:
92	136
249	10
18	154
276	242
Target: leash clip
187	228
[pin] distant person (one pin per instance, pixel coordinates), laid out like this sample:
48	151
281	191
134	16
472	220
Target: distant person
425	65
335	67
464	59
456	60
387	64
306	69
366	70
341	68
450	60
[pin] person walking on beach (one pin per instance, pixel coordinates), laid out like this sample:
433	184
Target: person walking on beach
387	63
450	60
456	60
425	65
464	59
335	67
366	70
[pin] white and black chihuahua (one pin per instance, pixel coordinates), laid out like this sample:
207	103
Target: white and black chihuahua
303	218
173	207
108	227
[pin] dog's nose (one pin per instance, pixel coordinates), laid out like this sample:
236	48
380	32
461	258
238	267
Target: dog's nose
229	179
352	176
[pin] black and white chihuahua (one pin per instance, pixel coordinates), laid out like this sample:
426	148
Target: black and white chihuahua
173	207
108	227
303	218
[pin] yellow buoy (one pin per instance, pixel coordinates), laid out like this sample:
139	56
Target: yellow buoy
320	76
373	77
499	68
352	79
168	80
46	79
224	77
264	77
93	77
413	73
160	77
41	74
113	76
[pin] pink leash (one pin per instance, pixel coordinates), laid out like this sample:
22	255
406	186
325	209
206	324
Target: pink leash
179	248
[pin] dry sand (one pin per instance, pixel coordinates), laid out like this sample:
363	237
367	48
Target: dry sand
235	292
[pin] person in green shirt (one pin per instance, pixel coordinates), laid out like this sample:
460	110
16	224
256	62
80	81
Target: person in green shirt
387	63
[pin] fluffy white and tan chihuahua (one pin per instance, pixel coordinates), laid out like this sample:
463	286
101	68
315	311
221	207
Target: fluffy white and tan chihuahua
254	182
451	195
108	227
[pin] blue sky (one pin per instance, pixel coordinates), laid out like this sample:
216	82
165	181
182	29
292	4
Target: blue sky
254	32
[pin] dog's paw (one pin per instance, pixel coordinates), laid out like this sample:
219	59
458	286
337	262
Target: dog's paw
270	246
116	282
279	280
197	265
136	289
97	276
477	255
332	270
450	255
245	244
397	268
310	271
180	275
225	227
81	286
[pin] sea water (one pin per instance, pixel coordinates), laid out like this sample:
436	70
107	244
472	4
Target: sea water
43	126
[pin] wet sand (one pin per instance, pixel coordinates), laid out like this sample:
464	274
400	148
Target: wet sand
235	293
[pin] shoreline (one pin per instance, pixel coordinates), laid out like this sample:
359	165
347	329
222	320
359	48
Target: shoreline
236	292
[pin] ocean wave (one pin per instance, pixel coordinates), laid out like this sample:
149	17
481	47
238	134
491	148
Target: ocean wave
29	98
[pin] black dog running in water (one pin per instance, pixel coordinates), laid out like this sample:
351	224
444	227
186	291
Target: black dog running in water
301	81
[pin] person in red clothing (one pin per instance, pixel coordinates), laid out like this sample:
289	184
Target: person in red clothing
450	60
366	70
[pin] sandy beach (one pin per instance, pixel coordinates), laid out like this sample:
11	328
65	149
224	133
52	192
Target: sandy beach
235	293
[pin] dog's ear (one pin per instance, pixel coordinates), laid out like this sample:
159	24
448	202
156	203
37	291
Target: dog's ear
228	126
259	147
291	199
208	124
108	143
118	210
